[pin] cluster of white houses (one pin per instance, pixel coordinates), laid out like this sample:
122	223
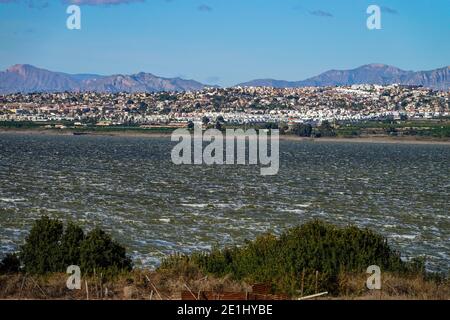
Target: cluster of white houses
240	105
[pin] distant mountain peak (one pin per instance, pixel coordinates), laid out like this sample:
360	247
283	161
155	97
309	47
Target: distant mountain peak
377	65
28	78
21	68
374	73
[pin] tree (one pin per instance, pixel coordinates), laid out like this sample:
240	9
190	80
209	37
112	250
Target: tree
10	264
70	244
220	119
99	252
302	130
218	125
50	248
271	125
143	107
205	120
41	252
283	128
325	129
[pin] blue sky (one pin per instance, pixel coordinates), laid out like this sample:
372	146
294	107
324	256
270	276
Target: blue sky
224	41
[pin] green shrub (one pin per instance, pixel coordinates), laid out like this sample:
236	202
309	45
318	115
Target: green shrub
71	244
302	130
98	251
41	252
51	248
298	253
10	264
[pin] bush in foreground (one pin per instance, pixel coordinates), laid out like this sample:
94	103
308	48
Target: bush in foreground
310	257
10	264
99	251
51	248
41	252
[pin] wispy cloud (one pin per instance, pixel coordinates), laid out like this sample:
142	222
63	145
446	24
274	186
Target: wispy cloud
389	10
34	4
204	8
321	13
40	4
101	2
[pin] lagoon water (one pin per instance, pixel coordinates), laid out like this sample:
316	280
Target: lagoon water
129	186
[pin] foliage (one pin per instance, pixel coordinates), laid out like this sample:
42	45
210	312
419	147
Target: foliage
271	125
10	264
221	119
99	251
302	130
18	124
218	125
205	120
51	248
297	254
325	130
71	243
41	252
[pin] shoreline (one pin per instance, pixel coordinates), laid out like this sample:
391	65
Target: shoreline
130	133
371	139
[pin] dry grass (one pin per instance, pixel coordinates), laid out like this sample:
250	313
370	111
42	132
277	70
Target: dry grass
139	284
145	284
394	287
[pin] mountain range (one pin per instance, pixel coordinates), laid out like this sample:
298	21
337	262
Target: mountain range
368	74
27	78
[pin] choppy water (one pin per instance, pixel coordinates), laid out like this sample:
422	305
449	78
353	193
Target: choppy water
129	186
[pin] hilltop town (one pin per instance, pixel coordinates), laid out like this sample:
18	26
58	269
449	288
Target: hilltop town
236	105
